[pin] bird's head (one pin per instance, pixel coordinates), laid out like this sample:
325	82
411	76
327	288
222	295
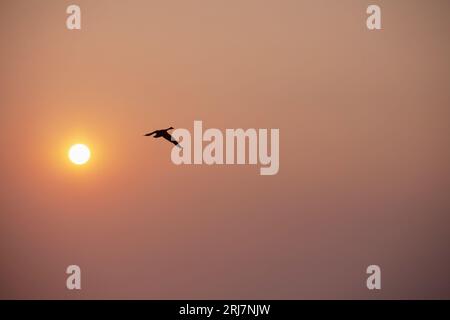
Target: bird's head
170	128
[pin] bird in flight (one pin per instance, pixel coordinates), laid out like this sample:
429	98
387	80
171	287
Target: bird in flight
163	133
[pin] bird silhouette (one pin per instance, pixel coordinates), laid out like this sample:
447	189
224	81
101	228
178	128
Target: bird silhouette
163	133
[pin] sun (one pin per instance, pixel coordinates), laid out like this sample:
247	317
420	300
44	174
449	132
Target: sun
79	154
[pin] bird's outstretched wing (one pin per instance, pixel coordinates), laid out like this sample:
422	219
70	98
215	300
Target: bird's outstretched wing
149	134
168	137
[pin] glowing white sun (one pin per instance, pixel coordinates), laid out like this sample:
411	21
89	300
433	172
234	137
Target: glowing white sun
79	154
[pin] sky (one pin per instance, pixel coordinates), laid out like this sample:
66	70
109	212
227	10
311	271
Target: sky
364	149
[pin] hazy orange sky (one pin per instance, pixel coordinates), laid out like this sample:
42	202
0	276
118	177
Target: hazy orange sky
364	149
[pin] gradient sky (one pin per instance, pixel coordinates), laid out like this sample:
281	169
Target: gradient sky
364	149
